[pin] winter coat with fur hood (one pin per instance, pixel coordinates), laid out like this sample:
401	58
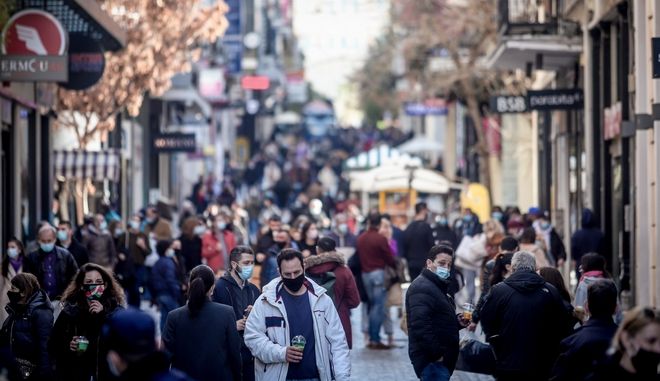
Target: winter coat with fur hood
346	295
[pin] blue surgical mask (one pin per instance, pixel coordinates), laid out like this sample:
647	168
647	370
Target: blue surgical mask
442	221
12	252
221	225
47	247
467	218
497	216
442	272
103	225
246	272
62	235
118	232
343	229
134	224
170	253
199	230
545	225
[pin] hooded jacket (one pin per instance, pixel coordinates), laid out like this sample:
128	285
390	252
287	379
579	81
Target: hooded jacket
25	333
432	324
346	295
524	320
267	335
589	239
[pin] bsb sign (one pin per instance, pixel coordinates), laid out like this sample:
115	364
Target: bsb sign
34	47
541	100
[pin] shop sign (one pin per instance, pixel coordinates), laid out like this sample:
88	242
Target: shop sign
612	118
428	107
174	142
86	62
555	99
34	47
506	104
655	44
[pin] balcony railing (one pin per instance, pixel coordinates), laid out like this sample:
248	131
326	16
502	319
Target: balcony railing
528	16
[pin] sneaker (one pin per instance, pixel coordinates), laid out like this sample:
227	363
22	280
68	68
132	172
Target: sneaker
378	345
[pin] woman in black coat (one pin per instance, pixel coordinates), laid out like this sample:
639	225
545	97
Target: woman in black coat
89	300
202	337
25	332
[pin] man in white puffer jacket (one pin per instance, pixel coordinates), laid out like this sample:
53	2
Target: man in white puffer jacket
294	305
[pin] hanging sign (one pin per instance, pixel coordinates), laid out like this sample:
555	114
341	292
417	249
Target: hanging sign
174	142
86	62
34	46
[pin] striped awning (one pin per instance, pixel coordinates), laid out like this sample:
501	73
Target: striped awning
95	165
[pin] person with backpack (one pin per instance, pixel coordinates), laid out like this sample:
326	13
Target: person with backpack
329	270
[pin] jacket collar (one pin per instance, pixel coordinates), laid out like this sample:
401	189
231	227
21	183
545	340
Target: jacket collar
315	260
441	284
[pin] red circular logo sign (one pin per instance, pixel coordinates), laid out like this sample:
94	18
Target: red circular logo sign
34	32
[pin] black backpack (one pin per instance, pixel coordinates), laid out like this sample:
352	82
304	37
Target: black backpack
326	280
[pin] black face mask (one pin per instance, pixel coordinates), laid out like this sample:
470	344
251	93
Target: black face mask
14	296
280	245
646	362
295	283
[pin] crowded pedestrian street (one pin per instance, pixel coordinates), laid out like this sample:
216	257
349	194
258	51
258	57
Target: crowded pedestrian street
329	190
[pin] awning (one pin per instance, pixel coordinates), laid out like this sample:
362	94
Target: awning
83	16
516	52
399	177
94	165
420	144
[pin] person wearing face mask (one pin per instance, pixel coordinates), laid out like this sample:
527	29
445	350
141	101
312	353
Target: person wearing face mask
66	240
235	290
635	352
217	243
442	231
309	238
159	227
342	235
166	280
192	230
125	269
282	240
77	347
137	248
524	319
25	332
132	354
553	243
53	266
432	322
99	243
292	306
11	265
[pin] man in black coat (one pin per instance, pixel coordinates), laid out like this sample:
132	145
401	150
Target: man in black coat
234	289
589	343
432	323
53	266
418	240
66	240
524	320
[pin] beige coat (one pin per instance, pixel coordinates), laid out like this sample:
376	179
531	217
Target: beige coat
5	285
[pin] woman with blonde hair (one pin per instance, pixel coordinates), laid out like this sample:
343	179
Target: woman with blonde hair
635	352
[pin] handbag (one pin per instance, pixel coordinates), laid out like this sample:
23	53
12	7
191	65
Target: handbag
394	296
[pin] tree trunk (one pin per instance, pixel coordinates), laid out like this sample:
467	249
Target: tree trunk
482	146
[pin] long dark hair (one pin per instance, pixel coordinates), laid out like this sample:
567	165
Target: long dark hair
5	257
113	295
303	231
201	281
553	276
499	268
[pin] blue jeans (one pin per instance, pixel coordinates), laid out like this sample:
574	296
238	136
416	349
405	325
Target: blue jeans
435	371
470	276
166	303
374	284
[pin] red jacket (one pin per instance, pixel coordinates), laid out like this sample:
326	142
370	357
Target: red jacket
346	295
374	251
215	257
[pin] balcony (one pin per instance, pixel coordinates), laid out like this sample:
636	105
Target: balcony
531	36
518	17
